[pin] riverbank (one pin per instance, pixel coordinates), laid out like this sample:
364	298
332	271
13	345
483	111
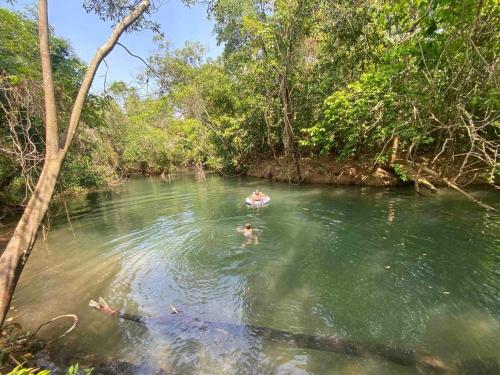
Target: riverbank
362	171
326	171
317	170
11	210
21	349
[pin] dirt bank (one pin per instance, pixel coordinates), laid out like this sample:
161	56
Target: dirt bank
363	171
326	171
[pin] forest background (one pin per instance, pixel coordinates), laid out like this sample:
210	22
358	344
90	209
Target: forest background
298	79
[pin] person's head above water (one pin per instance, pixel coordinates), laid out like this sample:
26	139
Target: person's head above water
248	226
257	192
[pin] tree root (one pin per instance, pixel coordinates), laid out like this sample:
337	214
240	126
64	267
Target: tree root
73	326
18	347
407	164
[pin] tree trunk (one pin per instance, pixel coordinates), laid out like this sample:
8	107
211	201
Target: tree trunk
21	244
394	149
289	143
51	134
184	324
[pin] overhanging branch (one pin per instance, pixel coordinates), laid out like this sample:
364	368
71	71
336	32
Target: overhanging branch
101	53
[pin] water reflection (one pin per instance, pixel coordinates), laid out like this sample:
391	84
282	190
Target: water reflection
372	265
391	212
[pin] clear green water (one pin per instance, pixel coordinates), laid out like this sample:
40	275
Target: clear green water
368	264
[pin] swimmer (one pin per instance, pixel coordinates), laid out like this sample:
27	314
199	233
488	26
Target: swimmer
249	234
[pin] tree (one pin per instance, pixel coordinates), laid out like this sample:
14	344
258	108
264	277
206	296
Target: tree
126	16
270	42
422	75
22	127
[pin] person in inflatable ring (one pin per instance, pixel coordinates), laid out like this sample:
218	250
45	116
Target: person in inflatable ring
257	196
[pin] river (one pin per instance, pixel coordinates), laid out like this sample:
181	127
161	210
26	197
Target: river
368	264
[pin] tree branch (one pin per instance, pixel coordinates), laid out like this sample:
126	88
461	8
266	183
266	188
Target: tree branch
101	53
160	77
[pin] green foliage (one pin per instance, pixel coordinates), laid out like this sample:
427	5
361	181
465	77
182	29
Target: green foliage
148	135
75	370
342	78
361	115
82	172
18	36
21	112
72	370
19	370
424	80
347	76
400	172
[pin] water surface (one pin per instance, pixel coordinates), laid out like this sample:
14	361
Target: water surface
368	264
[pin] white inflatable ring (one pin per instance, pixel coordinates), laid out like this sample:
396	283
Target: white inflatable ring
265	201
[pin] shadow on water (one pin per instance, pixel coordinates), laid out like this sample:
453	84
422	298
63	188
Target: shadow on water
370	265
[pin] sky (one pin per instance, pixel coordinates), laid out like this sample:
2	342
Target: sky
87	32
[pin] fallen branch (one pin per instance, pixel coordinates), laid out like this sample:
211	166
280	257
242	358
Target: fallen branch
452	185
427	184
416	177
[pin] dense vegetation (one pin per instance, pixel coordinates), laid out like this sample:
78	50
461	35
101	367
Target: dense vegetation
298	78
22	131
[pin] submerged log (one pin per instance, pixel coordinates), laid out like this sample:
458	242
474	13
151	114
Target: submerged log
424	362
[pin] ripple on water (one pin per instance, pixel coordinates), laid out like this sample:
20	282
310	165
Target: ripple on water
372	265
